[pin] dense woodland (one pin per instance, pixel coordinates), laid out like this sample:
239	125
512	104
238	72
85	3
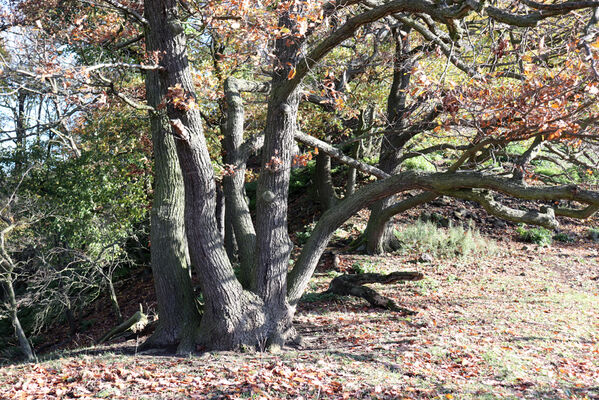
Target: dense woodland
218	147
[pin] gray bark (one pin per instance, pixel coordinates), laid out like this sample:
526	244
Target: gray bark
237	209
324	182
7	268
231	316
379	232
177	311
20	133
526	158
273	246
352	172
428	182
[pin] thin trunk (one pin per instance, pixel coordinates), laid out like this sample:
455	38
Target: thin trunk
114	301
352	173
530	153
380	239
7	268
220	209
177	310
324	182
237	208
16	323
230	239
20	133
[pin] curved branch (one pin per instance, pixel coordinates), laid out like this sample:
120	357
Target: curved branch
544	218
431	182
578	214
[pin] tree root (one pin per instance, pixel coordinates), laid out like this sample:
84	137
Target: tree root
352	285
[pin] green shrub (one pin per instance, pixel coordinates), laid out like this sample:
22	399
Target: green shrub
454	241
364	267
563	237
593	234
418	163
303	236
540	236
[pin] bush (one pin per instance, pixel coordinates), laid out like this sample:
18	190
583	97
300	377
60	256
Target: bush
563	237
364	267
418	164
593	234
540	236
454	241
303	236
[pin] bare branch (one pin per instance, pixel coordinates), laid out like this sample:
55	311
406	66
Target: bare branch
545	218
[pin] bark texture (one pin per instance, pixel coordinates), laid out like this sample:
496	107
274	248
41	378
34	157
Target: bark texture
231	316
177	311
353	285
273	245
7	267
237	208
324	182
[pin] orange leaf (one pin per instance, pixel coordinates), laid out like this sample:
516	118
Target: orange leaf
291	73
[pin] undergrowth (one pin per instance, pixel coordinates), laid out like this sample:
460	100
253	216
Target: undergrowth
453	241
540	236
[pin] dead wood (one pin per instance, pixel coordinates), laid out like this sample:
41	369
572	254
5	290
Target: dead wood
353	285
136	323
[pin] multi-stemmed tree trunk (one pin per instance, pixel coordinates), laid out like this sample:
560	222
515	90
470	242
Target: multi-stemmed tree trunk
177	310
231	316
259	312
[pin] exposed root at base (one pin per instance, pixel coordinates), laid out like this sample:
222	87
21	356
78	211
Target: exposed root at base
353	285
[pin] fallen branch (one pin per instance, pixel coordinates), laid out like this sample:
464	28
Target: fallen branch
136	323
353	285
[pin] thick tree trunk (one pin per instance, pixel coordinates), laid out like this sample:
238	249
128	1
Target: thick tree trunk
177	310
231	316
273	245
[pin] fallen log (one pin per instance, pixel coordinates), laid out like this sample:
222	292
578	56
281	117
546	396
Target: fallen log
136	323
353	285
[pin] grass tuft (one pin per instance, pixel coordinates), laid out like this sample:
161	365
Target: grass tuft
454	241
